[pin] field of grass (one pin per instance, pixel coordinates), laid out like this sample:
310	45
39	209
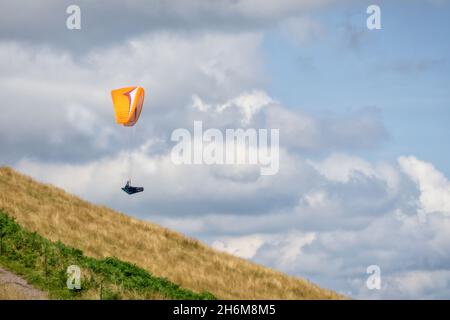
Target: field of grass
101	232
44	264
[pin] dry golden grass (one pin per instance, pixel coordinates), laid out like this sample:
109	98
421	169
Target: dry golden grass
101	232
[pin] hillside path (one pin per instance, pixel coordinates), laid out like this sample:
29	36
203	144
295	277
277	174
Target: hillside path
15	287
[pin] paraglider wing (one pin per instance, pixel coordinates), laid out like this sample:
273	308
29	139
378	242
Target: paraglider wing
128	104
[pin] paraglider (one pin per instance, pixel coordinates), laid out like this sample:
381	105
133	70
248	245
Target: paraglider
128	104
130	190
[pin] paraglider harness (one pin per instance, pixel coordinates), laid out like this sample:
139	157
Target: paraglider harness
131	190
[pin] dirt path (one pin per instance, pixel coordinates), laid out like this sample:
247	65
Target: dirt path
14	287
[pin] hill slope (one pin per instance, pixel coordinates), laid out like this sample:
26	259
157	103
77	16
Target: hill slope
102	232
45	264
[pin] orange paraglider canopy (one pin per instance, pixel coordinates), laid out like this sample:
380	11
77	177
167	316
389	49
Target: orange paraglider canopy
128	104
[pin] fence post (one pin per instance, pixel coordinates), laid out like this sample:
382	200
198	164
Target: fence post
45	263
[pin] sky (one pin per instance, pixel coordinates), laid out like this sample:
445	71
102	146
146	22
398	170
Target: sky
363	117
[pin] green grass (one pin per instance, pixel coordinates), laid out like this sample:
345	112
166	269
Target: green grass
44	264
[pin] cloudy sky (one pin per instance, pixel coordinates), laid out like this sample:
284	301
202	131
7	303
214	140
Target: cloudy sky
363	118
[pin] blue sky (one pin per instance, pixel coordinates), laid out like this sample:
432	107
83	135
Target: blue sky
403	70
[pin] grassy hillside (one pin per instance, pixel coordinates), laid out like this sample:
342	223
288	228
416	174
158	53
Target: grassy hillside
44	264
101	232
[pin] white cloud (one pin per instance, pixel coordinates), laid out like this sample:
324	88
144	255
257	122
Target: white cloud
247	104
292	244
288	247
340	167
416	283
244	247
433	185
